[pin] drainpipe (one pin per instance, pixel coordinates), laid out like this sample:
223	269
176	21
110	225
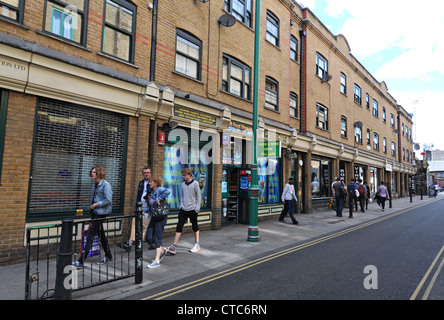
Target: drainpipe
302	34
153	42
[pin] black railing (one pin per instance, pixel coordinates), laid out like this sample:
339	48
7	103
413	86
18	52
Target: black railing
51	251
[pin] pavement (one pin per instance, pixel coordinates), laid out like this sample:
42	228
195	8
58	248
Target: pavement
222	248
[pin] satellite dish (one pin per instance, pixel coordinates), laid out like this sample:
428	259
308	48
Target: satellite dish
227	20
417	146
358	124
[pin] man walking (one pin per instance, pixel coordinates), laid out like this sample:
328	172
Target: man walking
287	197
339	194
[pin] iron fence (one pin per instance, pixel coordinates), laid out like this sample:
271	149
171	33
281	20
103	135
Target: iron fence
52	249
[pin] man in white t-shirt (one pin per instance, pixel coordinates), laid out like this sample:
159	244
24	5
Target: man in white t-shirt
287	196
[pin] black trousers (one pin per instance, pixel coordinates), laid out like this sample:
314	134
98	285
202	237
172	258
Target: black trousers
96	228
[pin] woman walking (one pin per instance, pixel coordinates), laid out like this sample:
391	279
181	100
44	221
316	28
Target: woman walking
155	227
383	194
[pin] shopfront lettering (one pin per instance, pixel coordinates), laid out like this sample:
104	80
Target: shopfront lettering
12	65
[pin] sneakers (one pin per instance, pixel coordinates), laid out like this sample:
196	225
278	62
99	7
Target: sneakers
171	250
162	255
78	265
105	260
195	248
153	264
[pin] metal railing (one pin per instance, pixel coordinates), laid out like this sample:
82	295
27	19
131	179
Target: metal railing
52	249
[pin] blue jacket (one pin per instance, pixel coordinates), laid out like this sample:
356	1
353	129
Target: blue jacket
103	195
160	194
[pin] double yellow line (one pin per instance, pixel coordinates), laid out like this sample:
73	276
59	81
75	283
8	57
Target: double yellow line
426	276
225	273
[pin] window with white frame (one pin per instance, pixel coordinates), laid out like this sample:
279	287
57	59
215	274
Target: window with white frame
375	108
384	145
343	127
392	121
375	141
12	9
358	134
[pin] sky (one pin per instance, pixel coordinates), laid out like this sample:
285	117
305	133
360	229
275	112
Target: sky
400	42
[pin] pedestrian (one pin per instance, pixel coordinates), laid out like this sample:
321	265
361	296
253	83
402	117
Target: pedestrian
353	199
143	192
100	208
339	193
287	197
382	193
362	195
155	229
190	201
369	196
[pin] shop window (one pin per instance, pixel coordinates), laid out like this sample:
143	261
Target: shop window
320	178
69	140
119	29
269	172
179	155
12	9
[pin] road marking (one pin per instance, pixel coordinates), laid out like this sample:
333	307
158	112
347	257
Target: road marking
424	279
225	273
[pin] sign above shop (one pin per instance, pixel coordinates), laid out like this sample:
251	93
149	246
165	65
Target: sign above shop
194	115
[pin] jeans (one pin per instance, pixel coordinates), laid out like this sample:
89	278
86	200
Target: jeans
156	228
339	205
287	209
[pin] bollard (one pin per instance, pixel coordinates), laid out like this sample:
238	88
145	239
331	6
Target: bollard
411	191
63	291
138	244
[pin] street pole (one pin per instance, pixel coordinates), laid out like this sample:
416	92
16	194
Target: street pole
253	191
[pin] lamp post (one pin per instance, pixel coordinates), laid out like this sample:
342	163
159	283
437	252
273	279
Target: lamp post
253	191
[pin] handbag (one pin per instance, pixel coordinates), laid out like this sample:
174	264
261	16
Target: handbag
160	211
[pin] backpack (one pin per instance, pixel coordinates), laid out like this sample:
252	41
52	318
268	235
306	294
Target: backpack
361	189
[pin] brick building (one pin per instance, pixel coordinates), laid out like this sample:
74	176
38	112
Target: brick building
123	84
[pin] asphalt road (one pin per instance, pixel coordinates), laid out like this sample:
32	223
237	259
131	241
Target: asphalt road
393	258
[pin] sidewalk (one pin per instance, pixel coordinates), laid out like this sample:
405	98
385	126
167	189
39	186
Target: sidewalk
225	247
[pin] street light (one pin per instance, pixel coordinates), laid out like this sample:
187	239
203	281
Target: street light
253	191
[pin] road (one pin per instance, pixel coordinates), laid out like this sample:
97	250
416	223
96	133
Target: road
397	257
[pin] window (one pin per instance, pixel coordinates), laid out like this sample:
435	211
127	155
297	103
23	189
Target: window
321	66
343	127
119	29
358	97
384	145
368	137
272	29
321	178
384	115
241	9
271	94
293	48
343	83
393	149
321	117
403	154
12	9
392	121
188	55
367	101
294	112
66	19
236	77
375	108
375	141
358	134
